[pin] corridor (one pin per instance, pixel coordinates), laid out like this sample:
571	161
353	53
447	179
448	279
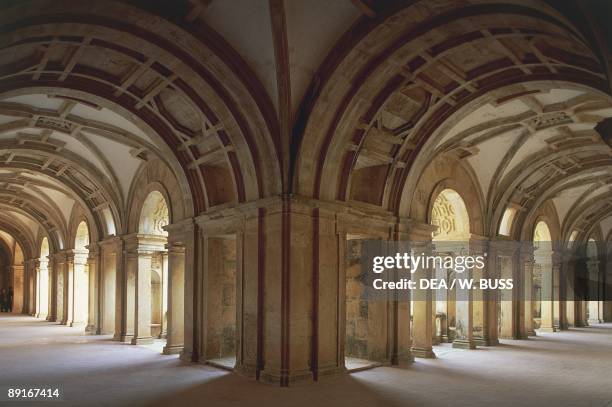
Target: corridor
569	368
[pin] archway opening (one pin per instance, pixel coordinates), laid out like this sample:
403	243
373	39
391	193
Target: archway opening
152	296
365	343
543	279
451	239
222	286
42	281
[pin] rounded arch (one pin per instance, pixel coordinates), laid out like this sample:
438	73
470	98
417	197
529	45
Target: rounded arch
541	232
44	247
206	117
391	105
447	173
546	214
449	213
154	215
81	230
81	239
154	177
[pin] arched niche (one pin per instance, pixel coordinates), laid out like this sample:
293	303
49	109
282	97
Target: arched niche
154	215
447	173
450	215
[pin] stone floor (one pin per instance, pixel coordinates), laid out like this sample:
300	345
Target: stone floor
570	368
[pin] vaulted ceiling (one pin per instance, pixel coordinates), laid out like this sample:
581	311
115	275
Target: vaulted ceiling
336	99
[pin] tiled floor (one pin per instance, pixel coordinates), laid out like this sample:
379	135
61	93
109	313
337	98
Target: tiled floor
570	368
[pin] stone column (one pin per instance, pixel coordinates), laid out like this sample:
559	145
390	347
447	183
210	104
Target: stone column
164	294
68	288
526	263
60	264
110	266
558	286
400	302
139	250
79	290
142	298
464	326
192	293
40	297
33	287
52	317
176	305
107	259
26	295
570	290
125	291
93	271
19	295
593	292
422	322
547	314
288	299
249	357
508	328
485	300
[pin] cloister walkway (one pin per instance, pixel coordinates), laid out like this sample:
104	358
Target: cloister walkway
569	368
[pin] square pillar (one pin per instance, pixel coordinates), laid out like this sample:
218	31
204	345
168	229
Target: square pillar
109	266
526	264
79	291
422	299
176	304
142	299
68	288
464	308
93	274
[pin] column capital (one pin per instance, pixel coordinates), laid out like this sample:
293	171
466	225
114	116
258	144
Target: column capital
136	242
175	248
420	232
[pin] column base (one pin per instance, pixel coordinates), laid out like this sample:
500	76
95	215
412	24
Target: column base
330	371
531	332
186	356
464	344
172	350
91	330
276	377
142	341
403	360
249	371
486	341
425	353
124	338
594	321
547	329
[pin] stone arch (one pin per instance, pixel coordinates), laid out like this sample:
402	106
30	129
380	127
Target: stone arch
77	219
154	176
212	127
547	214
335	144
446	173
154	214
